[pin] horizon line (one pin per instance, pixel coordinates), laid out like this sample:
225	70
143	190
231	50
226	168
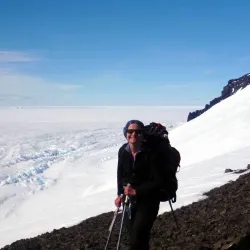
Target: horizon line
98	106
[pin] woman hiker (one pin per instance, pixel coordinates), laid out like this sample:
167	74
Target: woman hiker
141	168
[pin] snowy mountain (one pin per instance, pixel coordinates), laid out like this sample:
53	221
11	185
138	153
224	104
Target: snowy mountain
230	89
80	150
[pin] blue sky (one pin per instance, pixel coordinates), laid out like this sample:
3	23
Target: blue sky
99	52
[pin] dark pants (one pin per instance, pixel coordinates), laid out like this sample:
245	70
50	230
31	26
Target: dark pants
140	224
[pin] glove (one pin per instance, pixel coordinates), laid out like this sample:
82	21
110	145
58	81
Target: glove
118	201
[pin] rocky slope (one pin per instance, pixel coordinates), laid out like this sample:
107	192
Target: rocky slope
231	88
217	222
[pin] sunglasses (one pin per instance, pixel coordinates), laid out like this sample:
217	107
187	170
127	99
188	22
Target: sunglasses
137	131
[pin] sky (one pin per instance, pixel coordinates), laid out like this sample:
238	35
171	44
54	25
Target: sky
56	170
65	53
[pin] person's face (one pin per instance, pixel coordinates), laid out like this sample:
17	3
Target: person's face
134	134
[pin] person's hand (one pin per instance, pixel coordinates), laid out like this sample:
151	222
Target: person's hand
118	201
128	190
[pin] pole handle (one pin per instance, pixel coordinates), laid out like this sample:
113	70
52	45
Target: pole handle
126	200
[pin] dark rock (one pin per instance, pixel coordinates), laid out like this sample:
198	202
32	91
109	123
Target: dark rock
248	166
230	89
228	170
240	171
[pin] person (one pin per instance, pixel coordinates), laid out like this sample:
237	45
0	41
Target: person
141	168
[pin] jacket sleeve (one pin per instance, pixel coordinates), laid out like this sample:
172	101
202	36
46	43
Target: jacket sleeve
119	174
151	189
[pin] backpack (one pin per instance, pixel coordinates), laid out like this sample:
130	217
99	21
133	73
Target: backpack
156	138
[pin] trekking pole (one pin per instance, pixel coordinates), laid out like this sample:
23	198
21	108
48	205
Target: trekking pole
123	214
173	214
111	227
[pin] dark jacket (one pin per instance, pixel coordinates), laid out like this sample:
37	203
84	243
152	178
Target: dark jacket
144	173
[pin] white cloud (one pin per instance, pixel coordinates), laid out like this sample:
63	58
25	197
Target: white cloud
15	56
4	71
22	89
28	90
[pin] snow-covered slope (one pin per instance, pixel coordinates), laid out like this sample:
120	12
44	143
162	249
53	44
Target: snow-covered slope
209	144
232	87
222	129
57	173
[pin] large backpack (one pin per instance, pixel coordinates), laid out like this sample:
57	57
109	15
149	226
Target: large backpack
156	138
